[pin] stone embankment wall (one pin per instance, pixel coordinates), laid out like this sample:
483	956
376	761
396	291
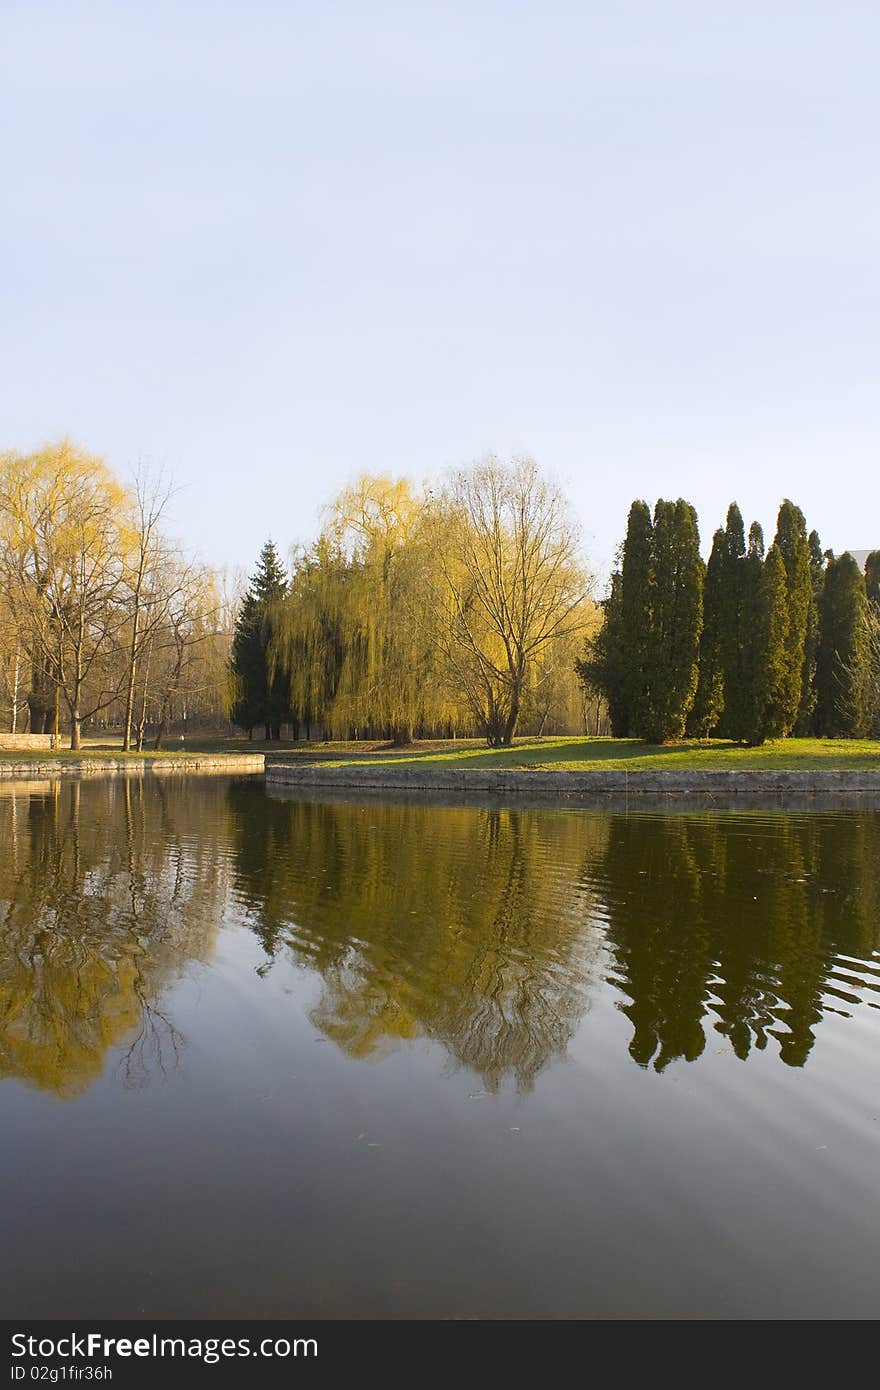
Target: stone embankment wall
663	782
231	764
32	743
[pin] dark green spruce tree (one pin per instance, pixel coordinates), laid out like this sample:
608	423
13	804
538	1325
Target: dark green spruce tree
794	550
709	699
261	689
676	622
842	660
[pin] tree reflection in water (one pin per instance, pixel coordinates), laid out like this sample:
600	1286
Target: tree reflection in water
480	927
748	919
468	926
485	930
107	890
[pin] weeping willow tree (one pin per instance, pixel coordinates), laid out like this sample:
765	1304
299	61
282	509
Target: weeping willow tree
419	614
354	635
307	635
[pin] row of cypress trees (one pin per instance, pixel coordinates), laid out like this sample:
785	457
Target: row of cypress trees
757	644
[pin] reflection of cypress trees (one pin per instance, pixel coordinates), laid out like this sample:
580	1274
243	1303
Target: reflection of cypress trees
469	926
462	924
98	910
745	918
664	953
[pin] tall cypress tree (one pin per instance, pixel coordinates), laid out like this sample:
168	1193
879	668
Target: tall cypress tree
794	550
676	622
804	725
842	657
734	638
261	688
709	699
743	703
636	606
771	695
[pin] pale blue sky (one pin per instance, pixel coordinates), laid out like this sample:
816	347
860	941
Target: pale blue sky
273	245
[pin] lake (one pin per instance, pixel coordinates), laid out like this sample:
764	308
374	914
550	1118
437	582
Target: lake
263	1056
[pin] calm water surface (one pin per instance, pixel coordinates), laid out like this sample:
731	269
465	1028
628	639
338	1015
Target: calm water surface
276	1057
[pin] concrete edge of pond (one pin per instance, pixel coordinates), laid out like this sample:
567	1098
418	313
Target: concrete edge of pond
567	784
649	803
41	768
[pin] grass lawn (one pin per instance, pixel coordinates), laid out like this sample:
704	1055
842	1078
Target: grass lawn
580	754
568	753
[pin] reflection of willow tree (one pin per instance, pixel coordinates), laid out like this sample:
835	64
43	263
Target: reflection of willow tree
743	918
467	926
105	895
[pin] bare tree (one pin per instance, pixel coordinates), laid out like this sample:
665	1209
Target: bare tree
149	596
511	583
193	645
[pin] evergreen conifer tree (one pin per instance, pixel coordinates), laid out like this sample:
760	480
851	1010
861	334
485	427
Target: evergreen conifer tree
734	633
794	550
636	605
804	725
772	690
744	699
676	622
842	657
261	689
709	699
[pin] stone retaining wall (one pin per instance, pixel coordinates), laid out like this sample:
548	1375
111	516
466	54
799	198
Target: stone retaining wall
32	743
571	784
229	763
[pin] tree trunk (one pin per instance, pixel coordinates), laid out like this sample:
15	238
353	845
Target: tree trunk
75	729
163	723
511	721
129	690
15	678
268	733
38	716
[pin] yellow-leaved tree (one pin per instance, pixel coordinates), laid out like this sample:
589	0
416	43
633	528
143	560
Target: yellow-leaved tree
67	542
510	584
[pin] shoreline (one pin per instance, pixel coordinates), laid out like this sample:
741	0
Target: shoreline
425	780
131	765
569	784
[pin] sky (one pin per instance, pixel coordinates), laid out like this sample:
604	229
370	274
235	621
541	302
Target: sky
271	246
